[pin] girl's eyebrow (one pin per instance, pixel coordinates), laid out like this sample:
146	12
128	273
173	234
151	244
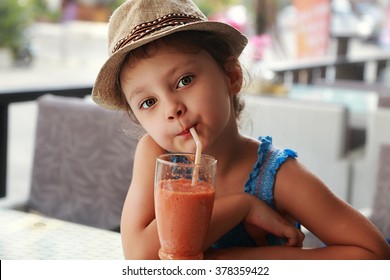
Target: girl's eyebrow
170	72
137	91
180	65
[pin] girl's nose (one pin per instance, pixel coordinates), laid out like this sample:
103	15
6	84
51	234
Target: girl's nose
176	111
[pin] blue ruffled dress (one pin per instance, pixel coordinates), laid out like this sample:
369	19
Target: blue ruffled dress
260	184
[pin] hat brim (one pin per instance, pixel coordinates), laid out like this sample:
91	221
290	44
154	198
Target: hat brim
105	89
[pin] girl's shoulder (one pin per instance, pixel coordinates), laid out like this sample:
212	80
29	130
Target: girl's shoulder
267	146
147	151
147	140
147	146
269	159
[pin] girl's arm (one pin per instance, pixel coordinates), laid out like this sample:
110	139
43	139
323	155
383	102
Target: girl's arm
241	207
138	225
346	233
139	228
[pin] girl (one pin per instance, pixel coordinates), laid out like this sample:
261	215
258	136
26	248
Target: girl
172	70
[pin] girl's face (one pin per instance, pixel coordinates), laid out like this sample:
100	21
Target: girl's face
172	91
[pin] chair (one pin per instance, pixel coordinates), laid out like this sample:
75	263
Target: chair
364	172
384	101
381	204
316	130
82	163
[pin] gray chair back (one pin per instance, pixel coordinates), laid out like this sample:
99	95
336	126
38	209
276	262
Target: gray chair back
83	162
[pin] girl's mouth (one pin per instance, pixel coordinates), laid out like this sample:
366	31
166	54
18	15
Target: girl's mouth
185	132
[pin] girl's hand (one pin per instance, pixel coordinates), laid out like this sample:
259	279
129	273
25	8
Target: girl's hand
261	219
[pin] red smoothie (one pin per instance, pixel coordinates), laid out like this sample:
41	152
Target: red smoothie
183	213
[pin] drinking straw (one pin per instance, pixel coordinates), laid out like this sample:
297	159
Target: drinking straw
198	155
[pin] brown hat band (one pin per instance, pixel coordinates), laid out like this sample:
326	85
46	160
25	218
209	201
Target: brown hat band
149	27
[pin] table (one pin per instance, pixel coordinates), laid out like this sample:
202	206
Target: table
359	102
10	95
28	236
344	68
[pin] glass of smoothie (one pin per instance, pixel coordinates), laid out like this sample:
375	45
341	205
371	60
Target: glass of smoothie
184	199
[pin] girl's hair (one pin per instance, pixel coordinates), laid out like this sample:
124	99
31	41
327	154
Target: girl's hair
186	41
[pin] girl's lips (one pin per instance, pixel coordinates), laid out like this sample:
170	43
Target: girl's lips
184	132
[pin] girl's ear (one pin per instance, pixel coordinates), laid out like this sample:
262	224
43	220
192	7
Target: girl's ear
234	74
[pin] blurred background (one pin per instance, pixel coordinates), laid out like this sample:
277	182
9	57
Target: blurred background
41	31
49	42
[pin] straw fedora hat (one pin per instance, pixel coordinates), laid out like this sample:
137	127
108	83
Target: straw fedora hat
138	22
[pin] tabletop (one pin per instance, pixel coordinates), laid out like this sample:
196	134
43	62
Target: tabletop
29	236
359	102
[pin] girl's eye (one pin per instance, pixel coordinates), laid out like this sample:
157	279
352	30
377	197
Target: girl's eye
185	81
148	103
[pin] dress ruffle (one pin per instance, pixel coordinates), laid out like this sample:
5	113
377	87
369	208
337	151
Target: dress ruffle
262	178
